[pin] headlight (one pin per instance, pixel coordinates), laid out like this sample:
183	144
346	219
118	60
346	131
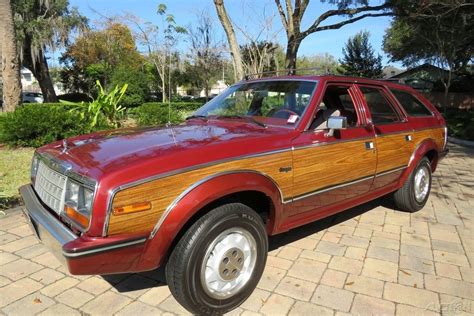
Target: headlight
78	203
34	167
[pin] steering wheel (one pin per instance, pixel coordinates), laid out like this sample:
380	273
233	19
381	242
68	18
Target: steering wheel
284	113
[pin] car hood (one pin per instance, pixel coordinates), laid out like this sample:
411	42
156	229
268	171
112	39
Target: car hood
157	148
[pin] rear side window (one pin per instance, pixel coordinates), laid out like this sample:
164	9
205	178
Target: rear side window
412	105
380	109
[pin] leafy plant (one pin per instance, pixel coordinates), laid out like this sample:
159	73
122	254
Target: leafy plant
103	108
35	125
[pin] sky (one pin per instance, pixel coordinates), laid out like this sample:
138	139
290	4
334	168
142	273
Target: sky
251	16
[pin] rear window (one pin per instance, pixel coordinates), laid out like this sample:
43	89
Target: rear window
380	109
412	105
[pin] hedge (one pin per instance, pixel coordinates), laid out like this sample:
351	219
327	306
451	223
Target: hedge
36	124
155	113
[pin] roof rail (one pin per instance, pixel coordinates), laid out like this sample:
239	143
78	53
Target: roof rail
290	72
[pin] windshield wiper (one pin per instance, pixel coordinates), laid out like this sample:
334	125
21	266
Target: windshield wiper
247	118
202	117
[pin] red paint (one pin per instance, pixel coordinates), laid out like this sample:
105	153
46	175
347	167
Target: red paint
118	157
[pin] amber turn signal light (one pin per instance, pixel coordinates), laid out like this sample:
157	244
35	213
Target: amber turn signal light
73	214
132	208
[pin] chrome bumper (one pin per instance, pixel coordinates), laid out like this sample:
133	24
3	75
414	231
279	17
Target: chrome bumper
48	229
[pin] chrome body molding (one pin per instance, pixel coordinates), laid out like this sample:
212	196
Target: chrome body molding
103	249
338	186
383	173
170	207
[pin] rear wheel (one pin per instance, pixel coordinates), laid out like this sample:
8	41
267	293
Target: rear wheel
416	190
219	260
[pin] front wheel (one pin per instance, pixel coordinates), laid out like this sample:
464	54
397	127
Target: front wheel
218	262
416	190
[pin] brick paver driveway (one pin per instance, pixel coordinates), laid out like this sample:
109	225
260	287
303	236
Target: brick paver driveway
367	260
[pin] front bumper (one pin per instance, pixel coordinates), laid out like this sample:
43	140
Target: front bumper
81	254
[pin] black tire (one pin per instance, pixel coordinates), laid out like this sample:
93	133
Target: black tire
183	270
405	197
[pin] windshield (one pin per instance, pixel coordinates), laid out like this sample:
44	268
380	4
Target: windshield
278	102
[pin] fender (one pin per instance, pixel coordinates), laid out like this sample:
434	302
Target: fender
420	151
197	196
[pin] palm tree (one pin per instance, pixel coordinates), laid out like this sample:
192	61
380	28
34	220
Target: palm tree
10	64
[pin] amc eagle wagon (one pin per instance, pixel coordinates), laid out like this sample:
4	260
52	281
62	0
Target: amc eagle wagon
201	198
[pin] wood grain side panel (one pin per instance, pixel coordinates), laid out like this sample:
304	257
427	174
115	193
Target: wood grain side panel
323	166
393	151
437	134
162	192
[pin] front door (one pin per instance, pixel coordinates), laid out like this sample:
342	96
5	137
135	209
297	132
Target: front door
330	169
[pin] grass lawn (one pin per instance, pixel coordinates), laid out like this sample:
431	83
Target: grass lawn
14	172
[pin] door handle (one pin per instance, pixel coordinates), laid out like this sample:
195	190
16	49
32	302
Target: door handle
369	145
408	138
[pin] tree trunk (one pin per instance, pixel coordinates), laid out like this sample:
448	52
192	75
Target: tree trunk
292	54
10	62
231	38
41	73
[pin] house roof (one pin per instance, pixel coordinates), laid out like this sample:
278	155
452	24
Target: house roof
424	67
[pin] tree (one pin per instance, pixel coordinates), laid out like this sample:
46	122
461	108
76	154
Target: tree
292	15
437	32
206	53
259	57
96	54
231	39
9	64
159	42
322	63
359	57
42	25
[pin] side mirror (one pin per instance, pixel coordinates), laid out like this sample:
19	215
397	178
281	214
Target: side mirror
336	123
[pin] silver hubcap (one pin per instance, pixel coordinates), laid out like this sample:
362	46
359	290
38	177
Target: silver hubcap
422	183
228	263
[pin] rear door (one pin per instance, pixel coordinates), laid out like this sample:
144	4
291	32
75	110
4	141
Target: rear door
331	169
393	134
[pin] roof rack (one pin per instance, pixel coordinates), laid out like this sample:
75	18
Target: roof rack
290	72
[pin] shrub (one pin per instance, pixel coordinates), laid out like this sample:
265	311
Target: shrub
104	108
460	123
150	114
38	124
137	85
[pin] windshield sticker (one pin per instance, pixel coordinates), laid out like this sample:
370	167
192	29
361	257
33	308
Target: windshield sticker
292	119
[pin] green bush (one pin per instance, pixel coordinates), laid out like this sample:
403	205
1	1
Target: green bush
460	123
156	113
137	82
38	124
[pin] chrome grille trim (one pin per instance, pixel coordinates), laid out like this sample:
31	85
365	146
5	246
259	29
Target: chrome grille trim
50	186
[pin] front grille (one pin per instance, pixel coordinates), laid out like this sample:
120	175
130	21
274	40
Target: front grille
50	187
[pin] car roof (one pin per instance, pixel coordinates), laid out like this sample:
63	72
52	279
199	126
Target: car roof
338	78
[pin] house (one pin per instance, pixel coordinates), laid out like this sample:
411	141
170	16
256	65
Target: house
422	77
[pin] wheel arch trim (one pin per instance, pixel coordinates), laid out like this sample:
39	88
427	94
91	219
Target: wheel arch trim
205	180
420	151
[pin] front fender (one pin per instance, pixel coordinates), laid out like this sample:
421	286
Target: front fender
420	151
200	194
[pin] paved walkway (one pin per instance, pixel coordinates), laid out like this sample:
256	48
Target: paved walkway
367	260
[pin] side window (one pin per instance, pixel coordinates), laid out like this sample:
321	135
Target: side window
380	109
336	102
412	105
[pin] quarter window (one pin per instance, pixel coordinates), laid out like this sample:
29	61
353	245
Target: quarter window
412	105
380	109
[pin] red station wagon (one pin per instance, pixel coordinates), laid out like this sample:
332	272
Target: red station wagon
201	198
